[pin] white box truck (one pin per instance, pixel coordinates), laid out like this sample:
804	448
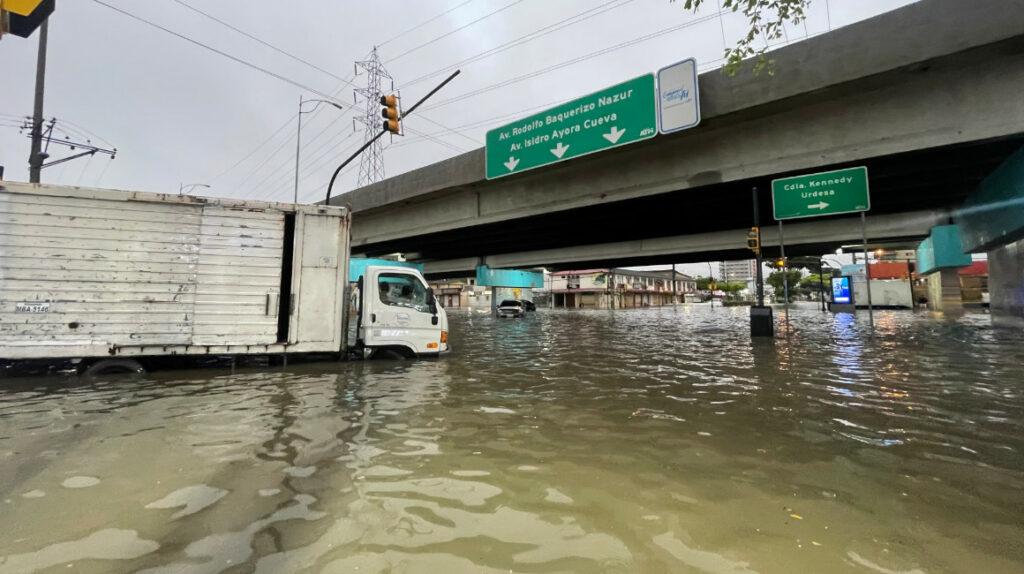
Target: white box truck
117	280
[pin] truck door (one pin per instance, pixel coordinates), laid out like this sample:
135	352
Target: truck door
320	265
398	311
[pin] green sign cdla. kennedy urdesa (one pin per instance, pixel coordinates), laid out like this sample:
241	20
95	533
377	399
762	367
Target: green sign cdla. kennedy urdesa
615	116
817	194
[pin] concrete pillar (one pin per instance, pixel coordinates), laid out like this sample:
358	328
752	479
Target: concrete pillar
944	291
1006	285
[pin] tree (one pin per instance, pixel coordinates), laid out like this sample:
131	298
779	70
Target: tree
767	18
776	281
703	282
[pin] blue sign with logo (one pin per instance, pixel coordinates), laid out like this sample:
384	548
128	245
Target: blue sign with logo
841	290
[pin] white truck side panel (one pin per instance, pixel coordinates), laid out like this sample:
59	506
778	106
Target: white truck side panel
238	282
93	272
90	272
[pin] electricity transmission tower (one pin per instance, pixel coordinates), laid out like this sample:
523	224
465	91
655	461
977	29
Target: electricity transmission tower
371	164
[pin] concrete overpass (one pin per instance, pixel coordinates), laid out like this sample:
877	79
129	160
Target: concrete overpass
927	96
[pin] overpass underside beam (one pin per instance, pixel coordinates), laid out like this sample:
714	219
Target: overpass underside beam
809	234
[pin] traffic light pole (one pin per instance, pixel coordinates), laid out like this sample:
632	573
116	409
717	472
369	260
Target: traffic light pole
760	316
330	186
785	272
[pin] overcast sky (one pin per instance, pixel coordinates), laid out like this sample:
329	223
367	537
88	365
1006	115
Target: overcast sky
180	113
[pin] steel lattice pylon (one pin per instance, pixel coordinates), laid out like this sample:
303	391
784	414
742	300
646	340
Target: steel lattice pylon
371	163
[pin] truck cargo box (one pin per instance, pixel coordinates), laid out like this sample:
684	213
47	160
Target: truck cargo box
100	273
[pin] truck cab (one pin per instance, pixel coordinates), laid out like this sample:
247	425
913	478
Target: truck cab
399	315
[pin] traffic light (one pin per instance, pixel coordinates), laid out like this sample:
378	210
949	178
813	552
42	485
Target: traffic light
390	113
22	17
781	262
754	240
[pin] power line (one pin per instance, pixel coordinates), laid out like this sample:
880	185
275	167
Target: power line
449	130
434	139
220	52
255	149
572	61
526	38
261	41
446	34
282	176
418	26
314	165
337	89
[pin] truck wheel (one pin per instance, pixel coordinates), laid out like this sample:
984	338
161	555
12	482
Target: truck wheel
114	367
388	355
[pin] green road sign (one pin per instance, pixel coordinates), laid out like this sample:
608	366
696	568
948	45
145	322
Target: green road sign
826	193
612	117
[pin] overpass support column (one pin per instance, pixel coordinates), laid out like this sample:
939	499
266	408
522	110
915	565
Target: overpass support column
508	283
939	256
944	291
1006	285
992	219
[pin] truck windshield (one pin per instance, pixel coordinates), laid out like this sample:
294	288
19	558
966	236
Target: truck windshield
401	290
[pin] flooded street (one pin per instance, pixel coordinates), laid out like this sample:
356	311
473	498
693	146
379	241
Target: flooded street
633	441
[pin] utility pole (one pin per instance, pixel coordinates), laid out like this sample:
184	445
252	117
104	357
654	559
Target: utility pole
371	163
35	158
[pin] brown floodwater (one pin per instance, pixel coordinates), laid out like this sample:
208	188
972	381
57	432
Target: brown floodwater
651	440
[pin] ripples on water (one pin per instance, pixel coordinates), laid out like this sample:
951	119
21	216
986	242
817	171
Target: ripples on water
631	441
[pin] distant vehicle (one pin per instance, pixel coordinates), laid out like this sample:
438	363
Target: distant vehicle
511	308
528	305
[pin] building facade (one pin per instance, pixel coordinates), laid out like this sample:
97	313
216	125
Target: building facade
618	288
740	271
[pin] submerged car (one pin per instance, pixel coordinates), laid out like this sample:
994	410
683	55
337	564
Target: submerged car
528	305
511	308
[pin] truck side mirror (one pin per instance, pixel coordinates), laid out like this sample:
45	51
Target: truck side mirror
432	301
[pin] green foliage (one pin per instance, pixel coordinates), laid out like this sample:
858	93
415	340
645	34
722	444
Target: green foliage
767	18
813	281
776	278
703	282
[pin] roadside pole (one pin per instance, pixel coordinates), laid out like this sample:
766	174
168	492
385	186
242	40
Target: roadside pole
675	293
785	274
821	283
867	268
35	158
760	316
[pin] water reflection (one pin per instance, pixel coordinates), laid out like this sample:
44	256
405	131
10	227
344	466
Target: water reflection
633	441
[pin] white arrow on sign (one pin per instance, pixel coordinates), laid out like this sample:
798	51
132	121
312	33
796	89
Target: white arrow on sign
511	163
820	205
614	135
559	150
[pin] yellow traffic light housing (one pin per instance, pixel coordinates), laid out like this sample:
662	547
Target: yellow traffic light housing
22	17
754	239
390	113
